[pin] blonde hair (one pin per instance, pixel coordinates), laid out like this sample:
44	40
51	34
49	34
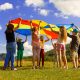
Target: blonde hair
63	34
18	39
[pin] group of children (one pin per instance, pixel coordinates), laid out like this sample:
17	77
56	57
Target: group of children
38	47
60	48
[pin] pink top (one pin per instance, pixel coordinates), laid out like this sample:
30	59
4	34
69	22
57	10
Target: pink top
35	39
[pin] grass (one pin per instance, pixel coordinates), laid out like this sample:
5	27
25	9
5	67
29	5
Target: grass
50	72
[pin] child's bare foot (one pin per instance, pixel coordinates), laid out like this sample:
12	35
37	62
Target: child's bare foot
75	67
65	67
38	67
33	67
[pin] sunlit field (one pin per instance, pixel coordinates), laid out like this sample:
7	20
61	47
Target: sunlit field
50	72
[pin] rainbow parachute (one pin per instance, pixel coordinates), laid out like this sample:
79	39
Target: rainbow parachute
44	28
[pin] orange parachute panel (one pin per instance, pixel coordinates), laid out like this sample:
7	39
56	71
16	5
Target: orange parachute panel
52	34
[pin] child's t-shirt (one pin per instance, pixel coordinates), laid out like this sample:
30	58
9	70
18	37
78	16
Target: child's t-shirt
74	43
78	39
10	37
20	45
42	44
35	39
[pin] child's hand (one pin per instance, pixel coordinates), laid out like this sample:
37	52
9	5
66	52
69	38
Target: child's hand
19	23
16	39
20	18
50	26
9	22
49	37
25	39
30	22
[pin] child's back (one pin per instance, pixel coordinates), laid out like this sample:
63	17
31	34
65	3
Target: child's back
20	45
74	48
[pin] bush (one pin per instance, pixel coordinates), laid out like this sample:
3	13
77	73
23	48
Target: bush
51	56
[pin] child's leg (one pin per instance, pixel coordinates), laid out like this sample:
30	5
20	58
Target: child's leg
18	57
64	59
12	61
17	62
21	56
20	62
9	63
34	57
76	60
42	57
79	54
57	56
7	59
38	56
73	58
60	58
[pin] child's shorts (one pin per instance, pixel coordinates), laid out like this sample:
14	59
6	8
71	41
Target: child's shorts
60	46
74	54
19	54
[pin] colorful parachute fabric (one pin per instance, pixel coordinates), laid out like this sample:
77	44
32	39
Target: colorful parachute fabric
51	34
48	31
69	27
44	27
25	26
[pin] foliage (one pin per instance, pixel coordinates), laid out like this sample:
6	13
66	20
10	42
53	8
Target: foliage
51	55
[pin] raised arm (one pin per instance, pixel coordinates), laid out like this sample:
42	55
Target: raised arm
69	35
31	25
52	43
16	39
18	25
25	39
47	39
54	30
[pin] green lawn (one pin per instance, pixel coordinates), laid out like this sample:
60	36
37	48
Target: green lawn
50	72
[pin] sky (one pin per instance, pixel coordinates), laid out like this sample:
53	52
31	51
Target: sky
50	11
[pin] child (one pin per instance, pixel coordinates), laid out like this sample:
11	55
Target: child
79	47
20	49
74	48
61	46
56	54
11	45
42	41
35	46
